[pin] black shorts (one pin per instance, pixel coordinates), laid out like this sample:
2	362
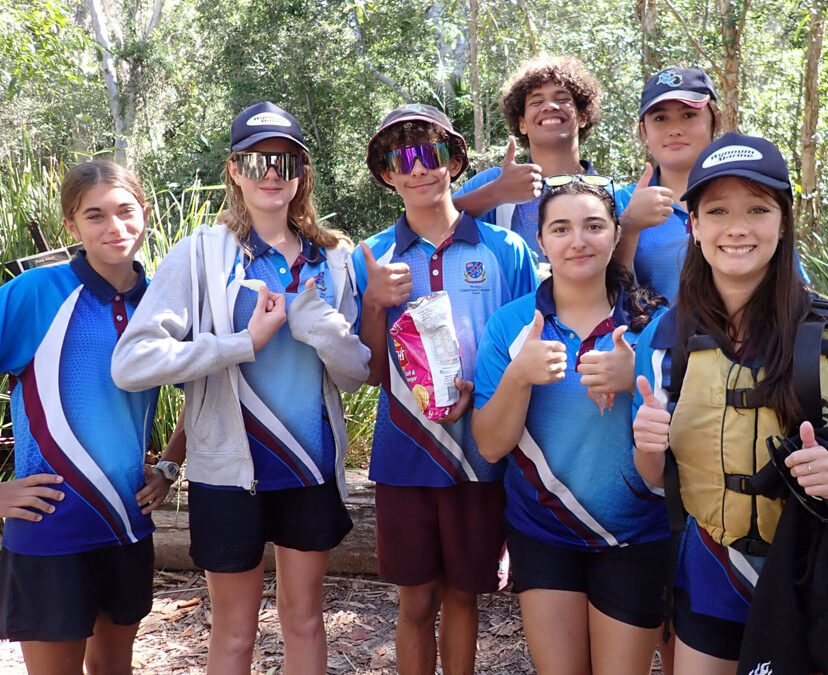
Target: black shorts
625	582
57	598
455	532
229	528
706	634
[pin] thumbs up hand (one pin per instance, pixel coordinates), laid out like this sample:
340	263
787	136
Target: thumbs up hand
809	465
609	372
652	423
540	361
388	285
650	205
517	183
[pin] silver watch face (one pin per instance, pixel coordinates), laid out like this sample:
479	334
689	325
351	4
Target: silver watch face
169	469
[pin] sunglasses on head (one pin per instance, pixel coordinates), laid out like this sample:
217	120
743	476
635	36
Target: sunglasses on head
553	182
255	165
432	155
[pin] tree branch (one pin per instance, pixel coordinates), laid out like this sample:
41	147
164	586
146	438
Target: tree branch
695	42
387	81
154	19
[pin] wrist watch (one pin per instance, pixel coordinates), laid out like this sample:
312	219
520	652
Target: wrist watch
168	469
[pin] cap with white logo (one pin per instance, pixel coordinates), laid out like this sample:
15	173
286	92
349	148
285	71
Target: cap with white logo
737	155
262	121
691	86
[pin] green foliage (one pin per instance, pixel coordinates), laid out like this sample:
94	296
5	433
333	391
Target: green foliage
360	413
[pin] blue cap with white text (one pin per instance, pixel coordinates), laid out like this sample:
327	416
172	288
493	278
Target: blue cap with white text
691	86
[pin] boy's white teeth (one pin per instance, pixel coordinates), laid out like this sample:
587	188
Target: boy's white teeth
550	120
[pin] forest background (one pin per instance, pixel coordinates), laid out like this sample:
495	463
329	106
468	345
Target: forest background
156	83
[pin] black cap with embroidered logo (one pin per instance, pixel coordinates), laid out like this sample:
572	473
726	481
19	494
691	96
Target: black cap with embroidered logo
423	113
737	155
691	86
262	121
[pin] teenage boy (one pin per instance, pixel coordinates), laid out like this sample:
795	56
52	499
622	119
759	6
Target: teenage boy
550	105
439	503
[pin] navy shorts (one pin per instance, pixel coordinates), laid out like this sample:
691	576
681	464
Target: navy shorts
57	598
624	582
706	634
427	532
229	528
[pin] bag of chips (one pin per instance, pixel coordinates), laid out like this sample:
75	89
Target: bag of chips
429	354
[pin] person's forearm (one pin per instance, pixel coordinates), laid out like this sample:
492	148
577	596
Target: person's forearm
628	244
650	466
372	333
498	426
479	201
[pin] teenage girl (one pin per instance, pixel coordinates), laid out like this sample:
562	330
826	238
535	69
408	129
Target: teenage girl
76	562
739	306
254	316
588	539
677	119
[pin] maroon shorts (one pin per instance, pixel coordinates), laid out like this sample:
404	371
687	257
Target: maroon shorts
453	532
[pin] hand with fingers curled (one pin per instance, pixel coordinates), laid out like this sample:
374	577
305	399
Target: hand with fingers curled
388	285
463	404
154	492
649	205
609	372
269	315
539	361
651	427
809	464
30	497
518	183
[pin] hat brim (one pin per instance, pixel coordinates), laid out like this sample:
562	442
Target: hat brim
738	173
692	98
263	136
464	160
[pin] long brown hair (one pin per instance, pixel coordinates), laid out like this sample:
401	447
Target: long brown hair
84	176
769	319
302	217
642	300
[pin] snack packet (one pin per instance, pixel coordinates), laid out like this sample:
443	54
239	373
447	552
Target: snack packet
429	354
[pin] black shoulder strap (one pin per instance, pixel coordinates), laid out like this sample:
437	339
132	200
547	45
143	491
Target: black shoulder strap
808	347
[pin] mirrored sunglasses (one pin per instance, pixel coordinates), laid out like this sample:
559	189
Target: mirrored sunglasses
432	155
552	182
255	165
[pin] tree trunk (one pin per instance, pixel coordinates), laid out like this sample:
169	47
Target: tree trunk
647	14
531	32
807	200
733	21
475	84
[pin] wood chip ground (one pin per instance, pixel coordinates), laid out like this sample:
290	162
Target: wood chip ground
359	617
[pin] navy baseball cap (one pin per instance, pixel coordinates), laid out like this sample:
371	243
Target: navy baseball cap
262	121
423	113
691	86
737	155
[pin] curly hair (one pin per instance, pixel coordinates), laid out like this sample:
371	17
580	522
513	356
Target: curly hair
302	217
642	301
567	71
415	132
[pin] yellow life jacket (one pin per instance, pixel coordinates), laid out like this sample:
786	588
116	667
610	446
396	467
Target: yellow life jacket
718	436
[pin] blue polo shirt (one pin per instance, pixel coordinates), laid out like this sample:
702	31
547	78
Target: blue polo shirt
58	327
525	216
291	441
660	253
482	267
571	480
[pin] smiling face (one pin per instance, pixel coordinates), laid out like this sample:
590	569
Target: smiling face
675	133
110	223
270	195
578	237
550	115
423	188
738	226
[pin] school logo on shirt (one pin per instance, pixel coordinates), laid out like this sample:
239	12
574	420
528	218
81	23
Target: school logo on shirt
320	282
474	272
670	78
